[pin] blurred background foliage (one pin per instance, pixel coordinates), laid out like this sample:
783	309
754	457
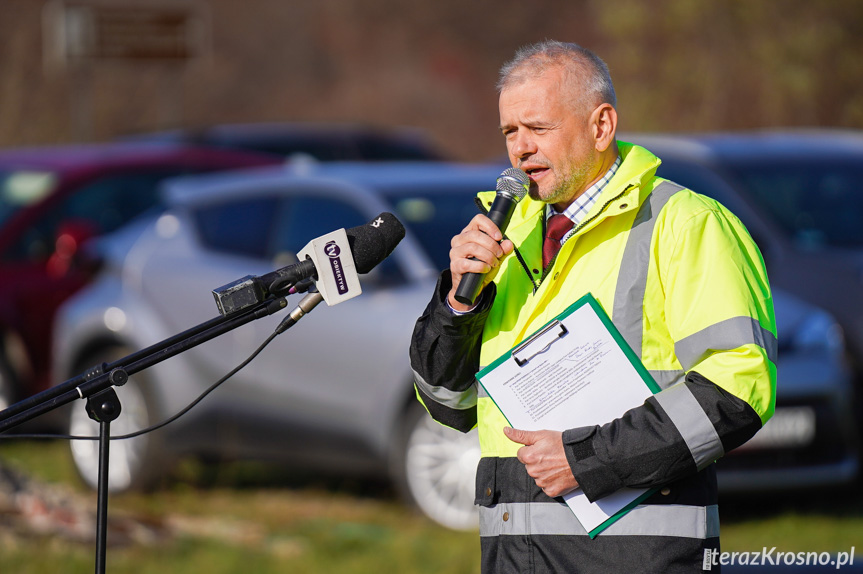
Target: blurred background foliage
679	65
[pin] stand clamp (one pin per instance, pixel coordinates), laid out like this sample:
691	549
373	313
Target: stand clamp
104	407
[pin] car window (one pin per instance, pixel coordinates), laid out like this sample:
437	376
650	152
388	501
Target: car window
238	227
435	216
106	204
816	203
307	217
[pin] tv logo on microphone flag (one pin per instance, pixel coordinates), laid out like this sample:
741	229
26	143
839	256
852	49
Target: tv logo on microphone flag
332	250
337	274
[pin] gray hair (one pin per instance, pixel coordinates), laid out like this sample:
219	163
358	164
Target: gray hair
583	67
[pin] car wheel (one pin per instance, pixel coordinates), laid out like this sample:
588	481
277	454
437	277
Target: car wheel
133	464
438	469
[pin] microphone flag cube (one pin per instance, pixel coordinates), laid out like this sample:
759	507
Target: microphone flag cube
337	273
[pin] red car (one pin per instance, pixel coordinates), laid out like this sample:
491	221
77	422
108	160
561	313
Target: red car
52	199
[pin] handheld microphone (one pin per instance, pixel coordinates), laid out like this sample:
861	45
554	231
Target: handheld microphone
512	185
332	260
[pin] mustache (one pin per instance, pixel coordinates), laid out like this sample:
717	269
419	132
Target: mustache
534	163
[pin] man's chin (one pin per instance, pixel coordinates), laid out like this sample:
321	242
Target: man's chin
554	196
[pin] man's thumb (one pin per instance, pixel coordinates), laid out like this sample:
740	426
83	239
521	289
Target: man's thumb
519	436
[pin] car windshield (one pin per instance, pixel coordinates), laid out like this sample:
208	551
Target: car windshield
818	204
435	216
20	188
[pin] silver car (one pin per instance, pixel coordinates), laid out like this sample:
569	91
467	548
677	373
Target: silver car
335	394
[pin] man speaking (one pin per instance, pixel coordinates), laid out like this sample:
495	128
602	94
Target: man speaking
680	278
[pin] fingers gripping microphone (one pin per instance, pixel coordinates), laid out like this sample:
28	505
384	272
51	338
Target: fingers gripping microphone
512	185
332	260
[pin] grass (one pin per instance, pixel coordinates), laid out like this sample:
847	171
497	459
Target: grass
817	520
238	518
248	518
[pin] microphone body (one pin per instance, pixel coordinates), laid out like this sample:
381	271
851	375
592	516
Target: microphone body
332	260
512	185
501	211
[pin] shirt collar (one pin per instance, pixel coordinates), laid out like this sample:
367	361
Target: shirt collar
584	202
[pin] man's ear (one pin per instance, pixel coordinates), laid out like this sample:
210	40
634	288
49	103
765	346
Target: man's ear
604	123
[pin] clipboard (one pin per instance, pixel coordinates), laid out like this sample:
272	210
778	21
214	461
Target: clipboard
576	370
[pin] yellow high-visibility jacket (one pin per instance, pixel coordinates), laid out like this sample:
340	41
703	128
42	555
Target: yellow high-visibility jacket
685	285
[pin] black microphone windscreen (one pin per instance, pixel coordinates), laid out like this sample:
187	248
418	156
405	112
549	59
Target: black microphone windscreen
372	242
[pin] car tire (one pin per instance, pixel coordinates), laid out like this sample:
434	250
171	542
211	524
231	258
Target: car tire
435	469
133	464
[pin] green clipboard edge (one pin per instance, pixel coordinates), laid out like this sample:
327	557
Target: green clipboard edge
589	299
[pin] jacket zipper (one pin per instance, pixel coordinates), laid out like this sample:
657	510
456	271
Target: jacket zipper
579	228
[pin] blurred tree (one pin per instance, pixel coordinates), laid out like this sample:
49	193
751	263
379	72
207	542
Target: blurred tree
678	65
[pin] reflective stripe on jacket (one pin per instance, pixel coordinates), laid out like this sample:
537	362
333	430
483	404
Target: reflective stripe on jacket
685	284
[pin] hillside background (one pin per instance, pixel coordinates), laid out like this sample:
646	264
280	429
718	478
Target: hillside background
678	65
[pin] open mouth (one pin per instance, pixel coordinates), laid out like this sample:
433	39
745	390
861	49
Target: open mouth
535	172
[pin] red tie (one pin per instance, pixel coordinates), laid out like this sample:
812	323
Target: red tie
557	226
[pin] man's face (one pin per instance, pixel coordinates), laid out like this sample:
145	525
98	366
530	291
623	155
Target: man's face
549	137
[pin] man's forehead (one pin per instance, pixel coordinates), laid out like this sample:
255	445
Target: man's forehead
536	98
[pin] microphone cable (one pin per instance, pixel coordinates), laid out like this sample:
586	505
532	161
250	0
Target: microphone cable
165	422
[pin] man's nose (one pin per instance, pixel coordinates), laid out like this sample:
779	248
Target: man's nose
523	145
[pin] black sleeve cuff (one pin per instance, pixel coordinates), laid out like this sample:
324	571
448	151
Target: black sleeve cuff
594	478
453	323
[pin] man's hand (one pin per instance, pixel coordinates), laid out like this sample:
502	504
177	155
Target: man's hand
479	240
545	460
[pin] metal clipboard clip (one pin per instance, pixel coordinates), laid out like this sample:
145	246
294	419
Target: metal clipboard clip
539	343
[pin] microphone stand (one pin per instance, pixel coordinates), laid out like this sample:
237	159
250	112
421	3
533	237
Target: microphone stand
103	405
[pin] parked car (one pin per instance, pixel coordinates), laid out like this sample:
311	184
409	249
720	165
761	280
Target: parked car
357	414
320	141
52	199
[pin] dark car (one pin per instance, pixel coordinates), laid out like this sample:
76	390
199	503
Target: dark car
53	199
320	141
